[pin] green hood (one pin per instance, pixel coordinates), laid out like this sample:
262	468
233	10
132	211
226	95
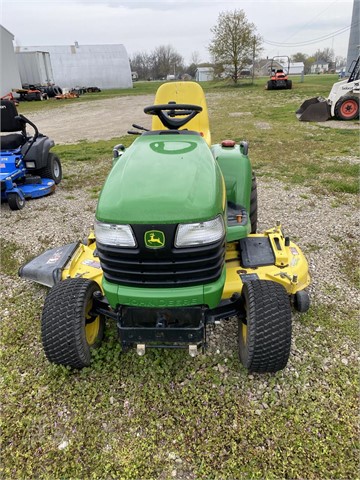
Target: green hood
163	179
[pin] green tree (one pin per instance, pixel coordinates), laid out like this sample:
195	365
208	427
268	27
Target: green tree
235	43
303	57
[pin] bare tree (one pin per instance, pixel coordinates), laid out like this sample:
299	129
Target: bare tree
166	61
235	43
195	58
325	55
141	63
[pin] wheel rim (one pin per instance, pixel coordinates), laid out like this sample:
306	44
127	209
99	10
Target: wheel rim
349	108
92	328
244	333
56	169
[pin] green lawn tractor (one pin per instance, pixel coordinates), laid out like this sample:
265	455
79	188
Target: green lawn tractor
174	250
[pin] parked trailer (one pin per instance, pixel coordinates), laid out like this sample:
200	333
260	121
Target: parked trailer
35	68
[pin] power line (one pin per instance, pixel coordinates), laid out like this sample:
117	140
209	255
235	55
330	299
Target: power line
310	42
311	21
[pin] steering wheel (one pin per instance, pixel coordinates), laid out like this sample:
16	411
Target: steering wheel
168	111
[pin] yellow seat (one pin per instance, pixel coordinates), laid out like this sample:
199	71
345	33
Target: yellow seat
188	93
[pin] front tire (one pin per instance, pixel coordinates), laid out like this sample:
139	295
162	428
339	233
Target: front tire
15	201
53	169
68	332
265	332
347	108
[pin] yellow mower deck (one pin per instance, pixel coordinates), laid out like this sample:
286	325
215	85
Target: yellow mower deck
290	268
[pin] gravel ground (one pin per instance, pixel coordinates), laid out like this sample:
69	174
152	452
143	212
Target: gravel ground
58	219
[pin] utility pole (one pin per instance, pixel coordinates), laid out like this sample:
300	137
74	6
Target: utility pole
253	61
353	49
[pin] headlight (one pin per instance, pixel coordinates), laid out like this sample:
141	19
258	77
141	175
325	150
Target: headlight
202	233
116	235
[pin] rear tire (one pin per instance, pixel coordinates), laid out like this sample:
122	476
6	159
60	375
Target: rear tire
68	332
347	108
15	201
53	169
289	84
265	332
269	85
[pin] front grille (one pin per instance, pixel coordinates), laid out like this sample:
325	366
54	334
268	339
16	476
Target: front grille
163	267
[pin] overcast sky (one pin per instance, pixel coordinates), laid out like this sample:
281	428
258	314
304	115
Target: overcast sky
184	24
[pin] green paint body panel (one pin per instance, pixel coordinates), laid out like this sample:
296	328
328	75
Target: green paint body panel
173	178
209	294
162	179
237	173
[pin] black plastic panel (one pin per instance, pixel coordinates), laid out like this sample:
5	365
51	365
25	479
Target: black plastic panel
256	252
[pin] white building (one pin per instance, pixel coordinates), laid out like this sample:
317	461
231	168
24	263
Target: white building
204	74
319	67
9	72
103	66
296	68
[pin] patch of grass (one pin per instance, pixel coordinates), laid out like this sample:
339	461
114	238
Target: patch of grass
85	151
9	261
297	152
144	417
349	265
96	161
139	88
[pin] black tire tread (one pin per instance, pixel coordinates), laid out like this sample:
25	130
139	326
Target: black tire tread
47	171
341	100
15	202
269	326
63	322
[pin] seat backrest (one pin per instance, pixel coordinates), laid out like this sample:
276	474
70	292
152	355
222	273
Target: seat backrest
186	93
9	122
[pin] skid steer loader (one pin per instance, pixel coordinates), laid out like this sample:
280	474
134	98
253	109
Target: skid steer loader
342	102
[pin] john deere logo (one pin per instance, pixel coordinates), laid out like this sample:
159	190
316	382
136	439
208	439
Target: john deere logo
154	239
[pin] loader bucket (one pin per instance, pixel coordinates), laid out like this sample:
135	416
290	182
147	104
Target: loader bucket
314	110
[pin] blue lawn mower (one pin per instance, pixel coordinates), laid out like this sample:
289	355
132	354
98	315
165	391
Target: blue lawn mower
27	167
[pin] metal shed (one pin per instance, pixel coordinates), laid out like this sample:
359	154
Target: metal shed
204	74
9	73
103	66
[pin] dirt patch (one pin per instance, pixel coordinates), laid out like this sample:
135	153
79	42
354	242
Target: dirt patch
113	117
340	124
95	120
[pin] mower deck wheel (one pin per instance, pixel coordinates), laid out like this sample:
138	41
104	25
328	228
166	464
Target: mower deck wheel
68	330
264	336
15	201
301	301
